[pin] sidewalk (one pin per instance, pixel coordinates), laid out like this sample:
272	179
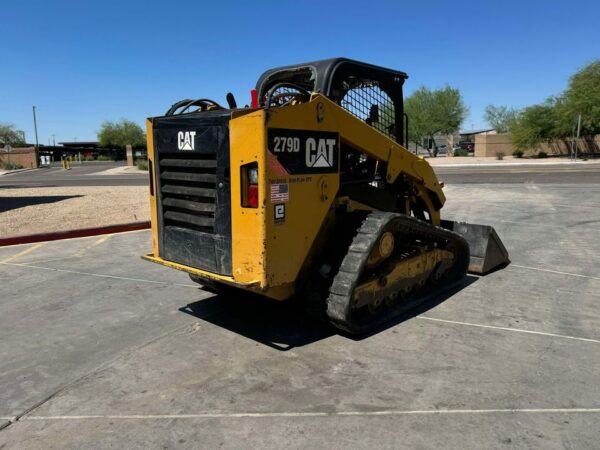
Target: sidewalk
463	161
121	170
6	172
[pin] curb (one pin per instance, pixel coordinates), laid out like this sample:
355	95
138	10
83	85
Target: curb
84	232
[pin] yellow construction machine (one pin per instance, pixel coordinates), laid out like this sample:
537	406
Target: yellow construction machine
309	193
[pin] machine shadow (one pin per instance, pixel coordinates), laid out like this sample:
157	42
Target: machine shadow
9	203
279	325
284	325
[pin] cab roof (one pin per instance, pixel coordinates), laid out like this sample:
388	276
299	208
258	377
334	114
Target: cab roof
318	75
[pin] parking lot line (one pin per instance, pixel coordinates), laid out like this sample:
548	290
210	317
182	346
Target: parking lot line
516	330
23	253
102	239
388	412
78	254
554	271
100	275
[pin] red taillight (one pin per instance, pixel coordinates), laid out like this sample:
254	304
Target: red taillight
252	196
254	97
249	185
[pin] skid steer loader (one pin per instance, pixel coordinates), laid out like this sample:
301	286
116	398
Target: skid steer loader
309	193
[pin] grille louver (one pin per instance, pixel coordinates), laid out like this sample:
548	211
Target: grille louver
188	190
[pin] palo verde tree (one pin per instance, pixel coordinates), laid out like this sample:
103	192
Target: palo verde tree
434	111
535	124
10	135
582	96
501	118
556	118
121	133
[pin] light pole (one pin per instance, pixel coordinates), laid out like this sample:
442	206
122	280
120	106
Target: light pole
37	147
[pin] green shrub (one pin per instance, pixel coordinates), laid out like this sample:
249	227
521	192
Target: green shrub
105	158
10	165
142	164
542	155
518	153
499	155
461	152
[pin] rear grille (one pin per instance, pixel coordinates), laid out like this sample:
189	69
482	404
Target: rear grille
188	184
193	190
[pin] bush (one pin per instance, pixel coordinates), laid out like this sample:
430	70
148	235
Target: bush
461	152
142	164
10	166
105	158
499	155
87	158
518	153
542	155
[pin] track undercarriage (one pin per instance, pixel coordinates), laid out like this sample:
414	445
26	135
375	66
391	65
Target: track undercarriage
393	263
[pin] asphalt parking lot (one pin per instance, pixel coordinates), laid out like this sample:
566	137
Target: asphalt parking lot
100	349
80	174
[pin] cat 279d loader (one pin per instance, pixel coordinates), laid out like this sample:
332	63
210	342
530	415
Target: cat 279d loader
309	193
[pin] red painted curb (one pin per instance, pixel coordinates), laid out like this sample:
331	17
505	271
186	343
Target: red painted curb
74	233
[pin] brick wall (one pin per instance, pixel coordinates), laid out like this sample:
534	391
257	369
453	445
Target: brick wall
563	146
24	156
490	144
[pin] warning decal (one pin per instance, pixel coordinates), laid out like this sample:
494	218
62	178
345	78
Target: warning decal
279	192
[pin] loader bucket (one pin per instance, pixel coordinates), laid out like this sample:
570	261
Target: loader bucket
487	250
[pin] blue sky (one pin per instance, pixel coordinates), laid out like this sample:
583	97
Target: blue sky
82	62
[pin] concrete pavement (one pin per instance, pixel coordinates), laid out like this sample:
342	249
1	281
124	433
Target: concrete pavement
103	350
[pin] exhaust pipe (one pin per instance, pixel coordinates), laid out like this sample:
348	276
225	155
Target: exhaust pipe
487	250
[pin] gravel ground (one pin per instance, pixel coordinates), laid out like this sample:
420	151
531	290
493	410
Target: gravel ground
42	210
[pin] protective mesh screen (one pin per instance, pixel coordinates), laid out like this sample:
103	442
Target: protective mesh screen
360	99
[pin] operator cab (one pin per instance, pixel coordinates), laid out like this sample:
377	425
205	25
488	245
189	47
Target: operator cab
371	93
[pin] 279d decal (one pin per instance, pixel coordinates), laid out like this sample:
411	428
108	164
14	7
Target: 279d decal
304	151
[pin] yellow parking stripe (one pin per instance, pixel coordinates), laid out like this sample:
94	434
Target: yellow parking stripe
23	253
97	242
104	238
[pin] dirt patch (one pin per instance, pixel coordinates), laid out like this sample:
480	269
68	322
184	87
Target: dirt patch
43	210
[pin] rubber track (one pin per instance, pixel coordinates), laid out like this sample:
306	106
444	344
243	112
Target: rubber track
338	303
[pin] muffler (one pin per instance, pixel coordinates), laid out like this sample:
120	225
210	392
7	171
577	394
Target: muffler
487	250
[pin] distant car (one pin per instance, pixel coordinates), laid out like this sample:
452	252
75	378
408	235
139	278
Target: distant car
442	150
468	146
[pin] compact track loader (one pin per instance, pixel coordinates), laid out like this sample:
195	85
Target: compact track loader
309	193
